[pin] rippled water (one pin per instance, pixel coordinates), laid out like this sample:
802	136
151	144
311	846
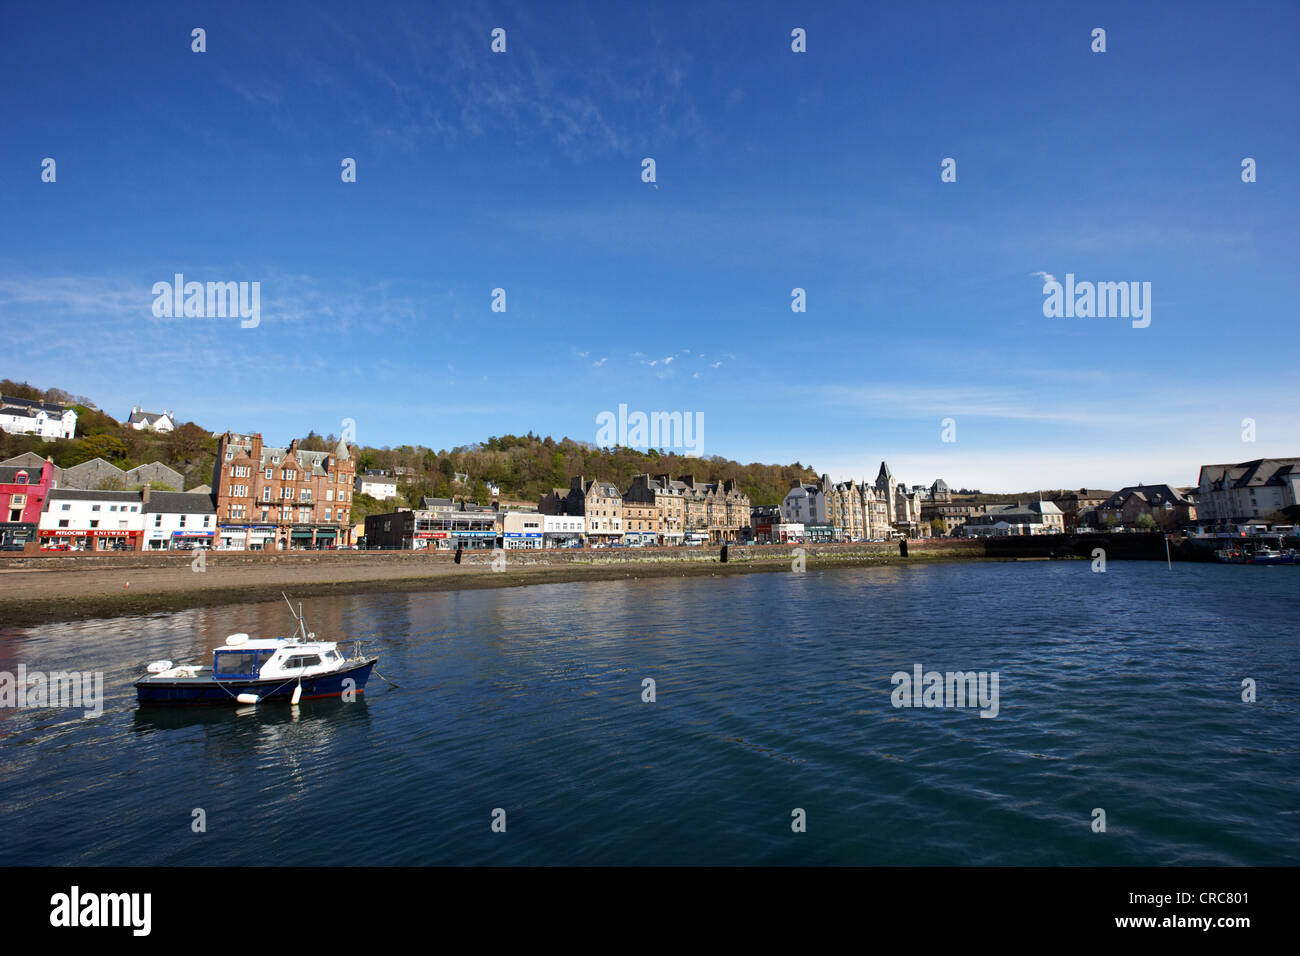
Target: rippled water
1119	690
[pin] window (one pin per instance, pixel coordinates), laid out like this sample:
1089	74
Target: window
182	524
21	478
301	660
94	524
94	507
157	521
66	508
63	522
269	474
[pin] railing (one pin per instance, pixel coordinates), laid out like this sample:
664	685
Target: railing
356	653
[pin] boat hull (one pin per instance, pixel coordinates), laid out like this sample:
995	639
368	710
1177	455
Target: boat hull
206	690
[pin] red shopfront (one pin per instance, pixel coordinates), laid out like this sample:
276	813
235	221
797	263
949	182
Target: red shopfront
91	539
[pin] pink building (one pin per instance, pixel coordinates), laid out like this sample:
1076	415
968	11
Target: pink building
25	483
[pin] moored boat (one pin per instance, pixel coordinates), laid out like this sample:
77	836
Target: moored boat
249	671
1269	556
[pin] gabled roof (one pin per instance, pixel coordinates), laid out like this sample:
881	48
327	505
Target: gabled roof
147	418
28	459
179	502
34	405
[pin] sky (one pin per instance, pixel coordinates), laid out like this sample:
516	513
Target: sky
923	341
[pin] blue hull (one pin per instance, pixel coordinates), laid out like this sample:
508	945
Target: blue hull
205	690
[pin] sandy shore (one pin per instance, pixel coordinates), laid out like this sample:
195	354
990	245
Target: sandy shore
40	591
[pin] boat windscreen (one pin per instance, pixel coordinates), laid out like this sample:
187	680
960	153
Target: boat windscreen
239	663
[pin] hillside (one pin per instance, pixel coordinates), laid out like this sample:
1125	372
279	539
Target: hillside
523	467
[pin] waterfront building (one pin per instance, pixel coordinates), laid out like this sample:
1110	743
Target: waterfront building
844	510
1166	506
439	524
940	493
1247	494
770	527
877	518
805	504
952	516
521	530
695	507
907	513
178	521
1075	505
665	495
79	519
728	511
281	498
1037	517
23	416
601	505
142	421
24	487
642	522
562	531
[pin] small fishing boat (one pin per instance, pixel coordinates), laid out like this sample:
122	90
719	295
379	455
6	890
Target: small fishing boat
249	671
1270	556
1231	556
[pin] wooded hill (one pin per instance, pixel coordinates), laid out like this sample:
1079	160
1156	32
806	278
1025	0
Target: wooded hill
524	467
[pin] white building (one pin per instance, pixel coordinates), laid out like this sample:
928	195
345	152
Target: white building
521	530
804	504
92	520
21	416
376	484
142	421
175	521
563	531
1228	496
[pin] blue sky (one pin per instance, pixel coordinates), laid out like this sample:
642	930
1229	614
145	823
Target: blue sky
775	170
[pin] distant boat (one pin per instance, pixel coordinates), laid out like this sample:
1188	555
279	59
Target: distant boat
1263	555
1231	556
248	671
1269	556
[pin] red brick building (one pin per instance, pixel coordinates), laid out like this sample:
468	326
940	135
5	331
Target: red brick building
271	498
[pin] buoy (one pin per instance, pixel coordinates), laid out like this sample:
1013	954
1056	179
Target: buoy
297	695
248	698
127	585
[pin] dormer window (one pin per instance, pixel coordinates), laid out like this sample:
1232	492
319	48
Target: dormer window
21	478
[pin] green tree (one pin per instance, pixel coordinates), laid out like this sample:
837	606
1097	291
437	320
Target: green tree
1145	522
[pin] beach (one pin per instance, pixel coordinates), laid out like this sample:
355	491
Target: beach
59	587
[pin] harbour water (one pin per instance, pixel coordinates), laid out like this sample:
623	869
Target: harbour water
1119	691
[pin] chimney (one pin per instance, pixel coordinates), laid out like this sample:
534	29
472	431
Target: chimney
144	494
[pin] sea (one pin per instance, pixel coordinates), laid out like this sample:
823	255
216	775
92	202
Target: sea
1139	716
